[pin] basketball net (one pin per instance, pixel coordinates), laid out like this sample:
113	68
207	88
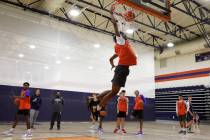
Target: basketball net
123	25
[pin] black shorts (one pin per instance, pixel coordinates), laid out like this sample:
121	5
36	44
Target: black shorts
182	118
95	115
120	75
139	114
189	117
24	112
121	114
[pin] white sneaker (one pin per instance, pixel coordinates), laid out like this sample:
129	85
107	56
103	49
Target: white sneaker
8	133
92	127
28	134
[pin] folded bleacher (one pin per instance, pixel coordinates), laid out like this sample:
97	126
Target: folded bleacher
165	101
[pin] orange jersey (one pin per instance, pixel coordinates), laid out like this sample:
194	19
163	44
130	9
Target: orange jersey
25	102
122	104
138	103
126	54
181	107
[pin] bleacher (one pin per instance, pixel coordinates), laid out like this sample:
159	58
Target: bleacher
165	101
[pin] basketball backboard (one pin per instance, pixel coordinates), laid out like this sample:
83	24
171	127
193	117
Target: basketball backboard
156	8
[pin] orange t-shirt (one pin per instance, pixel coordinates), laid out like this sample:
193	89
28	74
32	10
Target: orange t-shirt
139	103
181	106
126	54
25	102
123	104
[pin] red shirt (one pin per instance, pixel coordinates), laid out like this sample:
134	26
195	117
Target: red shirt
139	103
123	104
25	102
181	106
126	54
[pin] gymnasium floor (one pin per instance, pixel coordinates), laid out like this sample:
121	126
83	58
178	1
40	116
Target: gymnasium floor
81	131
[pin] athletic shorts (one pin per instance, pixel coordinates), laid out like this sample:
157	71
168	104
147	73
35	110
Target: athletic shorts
182	118
24	112
189	117
120	75
121	114
95	115
139	114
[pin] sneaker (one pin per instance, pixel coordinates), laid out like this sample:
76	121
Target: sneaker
180	131
50	128
139	133
28	134
123	130
100	131
184	132
116	130
92	127
8	133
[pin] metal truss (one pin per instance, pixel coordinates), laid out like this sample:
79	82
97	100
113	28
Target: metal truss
99	10
199	14
167	28
196	7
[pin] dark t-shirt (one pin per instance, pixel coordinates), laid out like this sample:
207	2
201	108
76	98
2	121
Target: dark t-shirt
36	102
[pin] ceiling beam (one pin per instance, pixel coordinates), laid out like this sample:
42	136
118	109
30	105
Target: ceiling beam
170	23
25	7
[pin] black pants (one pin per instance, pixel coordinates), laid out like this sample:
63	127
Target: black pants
55	116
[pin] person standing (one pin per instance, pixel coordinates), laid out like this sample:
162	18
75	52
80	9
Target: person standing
57	107
23	102
138	110
190	115
181	111
122	111
36	102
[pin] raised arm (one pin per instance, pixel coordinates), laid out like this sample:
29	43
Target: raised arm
114	22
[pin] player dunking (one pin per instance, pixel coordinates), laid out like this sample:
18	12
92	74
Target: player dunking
127	58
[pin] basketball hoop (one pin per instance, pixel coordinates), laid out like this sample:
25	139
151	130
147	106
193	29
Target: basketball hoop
125	17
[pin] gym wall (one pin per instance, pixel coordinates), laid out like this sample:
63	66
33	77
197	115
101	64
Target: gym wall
88	69
75	108
183	70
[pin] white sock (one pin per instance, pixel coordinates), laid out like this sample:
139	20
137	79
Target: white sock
11	130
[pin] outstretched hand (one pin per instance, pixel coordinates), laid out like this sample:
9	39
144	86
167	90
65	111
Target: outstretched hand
113	67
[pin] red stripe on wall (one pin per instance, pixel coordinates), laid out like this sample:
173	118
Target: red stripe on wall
184	72
181	78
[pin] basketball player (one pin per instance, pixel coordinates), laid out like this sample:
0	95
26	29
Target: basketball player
190	114
138	110
93	103
127	58
122	112
23	109
181	111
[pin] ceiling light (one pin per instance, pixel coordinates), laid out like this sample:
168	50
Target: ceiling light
58	62
170	44
32	46
97	45
46	67
74	12
90	67
67	58
129	31
21	55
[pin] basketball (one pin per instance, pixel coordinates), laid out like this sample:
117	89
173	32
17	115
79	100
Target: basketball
129	16
17	101
103	113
